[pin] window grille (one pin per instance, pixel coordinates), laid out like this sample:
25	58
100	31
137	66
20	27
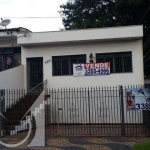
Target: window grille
119	62
63	65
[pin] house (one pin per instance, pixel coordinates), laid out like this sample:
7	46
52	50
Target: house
51	55
10	51
10	56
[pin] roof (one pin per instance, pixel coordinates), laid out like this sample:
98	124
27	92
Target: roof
20	29
64	30
11	33
96	34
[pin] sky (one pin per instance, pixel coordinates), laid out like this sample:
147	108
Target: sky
32	8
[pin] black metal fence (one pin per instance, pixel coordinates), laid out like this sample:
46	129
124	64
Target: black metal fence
94	111
97	111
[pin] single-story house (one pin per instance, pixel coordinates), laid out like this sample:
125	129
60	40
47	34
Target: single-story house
50	56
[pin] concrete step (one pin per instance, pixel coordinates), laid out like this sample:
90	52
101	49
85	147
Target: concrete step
13	132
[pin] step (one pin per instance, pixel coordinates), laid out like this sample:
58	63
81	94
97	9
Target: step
18	128
13	132
28	118
36	111
24	125
32	113
41	106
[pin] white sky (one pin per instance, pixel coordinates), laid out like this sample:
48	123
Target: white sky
32	8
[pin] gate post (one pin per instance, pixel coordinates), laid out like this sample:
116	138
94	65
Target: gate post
122	110
1	112
0	115
89	110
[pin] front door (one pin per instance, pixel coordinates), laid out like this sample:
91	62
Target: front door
35	71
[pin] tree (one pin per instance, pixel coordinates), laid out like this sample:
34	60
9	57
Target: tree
83	14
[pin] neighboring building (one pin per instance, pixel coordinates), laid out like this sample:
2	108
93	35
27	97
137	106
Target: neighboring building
51	55
10	51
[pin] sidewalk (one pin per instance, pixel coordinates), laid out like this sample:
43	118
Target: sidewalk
77	143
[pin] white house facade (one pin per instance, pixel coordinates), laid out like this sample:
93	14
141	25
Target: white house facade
52	55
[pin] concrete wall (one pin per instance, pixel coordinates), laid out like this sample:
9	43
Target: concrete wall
12	78
47	51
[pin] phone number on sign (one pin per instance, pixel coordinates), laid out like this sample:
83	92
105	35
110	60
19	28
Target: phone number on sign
97	71
142	106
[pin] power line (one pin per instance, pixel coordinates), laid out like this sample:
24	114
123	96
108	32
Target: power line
31	17
144	14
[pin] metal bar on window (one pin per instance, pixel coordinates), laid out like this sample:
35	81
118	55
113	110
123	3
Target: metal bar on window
121	61
66	68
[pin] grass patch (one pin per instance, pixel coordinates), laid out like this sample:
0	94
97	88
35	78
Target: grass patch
142	146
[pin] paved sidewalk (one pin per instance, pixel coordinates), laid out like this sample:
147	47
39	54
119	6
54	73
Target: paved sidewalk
77	143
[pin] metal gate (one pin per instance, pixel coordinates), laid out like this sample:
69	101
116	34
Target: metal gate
93	111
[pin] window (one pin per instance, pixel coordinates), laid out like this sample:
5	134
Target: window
119	62
63	65
10	57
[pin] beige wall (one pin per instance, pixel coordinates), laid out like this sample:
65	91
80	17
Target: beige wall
136	77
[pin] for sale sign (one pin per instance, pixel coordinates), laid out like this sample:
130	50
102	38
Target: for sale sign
138	98
91	69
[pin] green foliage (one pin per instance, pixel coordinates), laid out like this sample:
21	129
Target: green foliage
107	13
103	13
142	146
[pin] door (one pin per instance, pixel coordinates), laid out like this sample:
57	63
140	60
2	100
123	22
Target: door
35	71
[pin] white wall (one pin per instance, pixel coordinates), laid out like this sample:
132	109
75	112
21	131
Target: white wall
103	105
12	78
47	51
9	43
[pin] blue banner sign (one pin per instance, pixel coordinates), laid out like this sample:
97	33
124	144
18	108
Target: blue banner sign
138	99
91	69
